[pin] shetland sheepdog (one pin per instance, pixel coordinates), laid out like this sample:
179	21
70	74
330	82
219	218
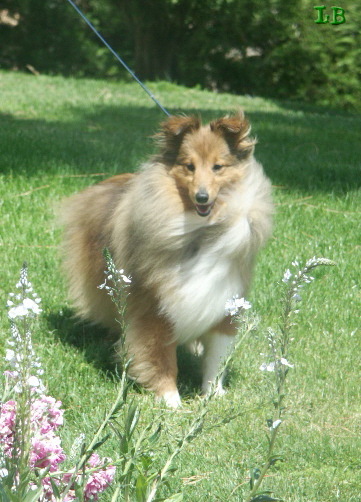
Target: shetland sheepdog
186	228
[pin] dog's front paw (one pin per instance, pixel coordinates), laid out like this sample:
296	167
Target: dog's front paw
219	390
214	389
171	398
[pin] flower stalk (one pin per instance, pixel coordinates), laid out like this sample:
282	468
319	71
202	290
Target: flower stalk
279	366
29	419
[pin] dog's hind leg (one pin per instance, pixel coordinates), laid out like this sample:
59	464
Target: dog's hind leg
217	345
153	357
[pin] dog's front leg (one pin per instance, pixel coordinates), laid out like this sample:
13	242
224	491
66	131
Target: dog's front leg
153	356
217	345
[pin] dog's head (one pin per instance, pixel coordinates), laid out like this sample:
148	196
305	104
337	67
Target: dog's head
204	160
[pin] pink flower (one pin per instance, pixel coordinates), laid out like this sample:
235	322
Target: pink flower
45	417
7	426
71	493
46	414
49	494
46	451
98	480
11	374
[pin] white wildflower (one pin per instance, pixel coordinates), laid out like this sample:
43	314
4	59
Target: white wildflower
235	304
272	365
27	307
34	381
119	277
287	276
10	355
3	472
31	306
126	279
267	367
285	362
14	358
19	311
104	285
276	424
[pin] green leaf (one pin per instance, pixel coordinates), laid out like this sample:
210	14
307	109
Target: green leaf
146	460
124	445
141	488
33	495
254	475
262	497
177	497
131	419
4	497
55	488
155	436
116	411
276	458
99	443
79	492
126	389
117	432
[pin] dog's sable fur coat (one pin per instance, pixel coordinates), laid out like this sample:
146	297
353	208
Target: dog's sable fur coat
186	228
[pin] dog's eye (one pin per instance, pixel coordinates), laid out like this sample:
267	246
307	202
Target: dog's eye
190	167
217	167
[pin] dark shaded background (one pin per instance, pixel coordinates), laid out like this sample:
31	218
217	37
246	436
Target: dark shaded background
269	48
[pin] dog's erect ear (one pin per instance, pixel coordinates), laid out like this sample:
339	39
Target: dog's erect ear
172	133
235	130
178	125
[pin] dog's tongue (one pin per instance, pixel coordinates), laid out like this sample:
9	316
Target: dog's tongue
203	209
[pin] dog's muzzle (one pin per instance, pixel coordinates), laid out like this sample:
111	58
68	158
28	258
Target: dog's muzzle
202	197
204	209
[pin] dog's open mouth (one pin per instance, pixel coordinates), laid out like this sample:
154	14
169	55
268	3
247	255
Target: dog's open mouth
204	209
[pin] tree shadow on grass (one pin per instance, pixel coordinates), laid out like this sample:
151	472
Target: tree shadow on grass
97	346
303	150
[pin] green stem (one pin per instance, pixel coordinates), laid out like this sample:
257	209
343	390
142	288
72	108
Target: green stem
101	428
265	467
116	492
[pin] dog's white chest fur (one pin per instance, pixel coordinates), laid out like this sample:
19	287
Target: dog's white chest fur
198	288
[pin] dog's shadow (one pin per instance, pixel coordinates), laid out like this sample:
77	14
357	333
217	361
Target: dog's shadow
97	347
94	342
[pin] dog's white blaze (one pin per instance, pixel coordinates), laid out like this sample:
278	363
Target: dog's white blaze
195	296
199	302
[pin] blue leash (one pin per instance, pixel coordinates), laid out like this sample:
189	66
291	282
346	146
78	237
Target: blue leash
118	57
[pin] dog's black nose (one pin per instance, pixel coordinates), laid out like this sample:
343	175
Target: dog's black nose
202	197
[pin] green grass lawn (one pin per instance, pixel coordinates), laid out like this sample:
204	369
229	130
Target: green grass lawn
58	136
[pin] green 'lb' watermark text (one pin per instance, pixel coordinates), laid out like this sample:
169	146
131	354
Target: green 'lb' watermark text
338	16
